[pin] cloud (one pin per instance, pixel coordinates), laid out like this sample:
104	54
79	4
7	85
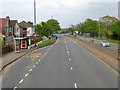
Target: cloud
73	3
48	4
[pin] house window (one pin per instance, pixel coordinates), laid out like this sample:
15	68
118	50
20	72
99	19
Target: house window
9	29
6	29
17	29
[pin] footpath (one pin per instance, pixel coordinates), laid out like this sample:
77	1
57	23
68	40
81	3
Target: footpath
106	55
10	57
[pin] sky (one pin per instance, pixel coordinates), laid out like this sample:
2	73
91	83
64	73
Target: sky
67	12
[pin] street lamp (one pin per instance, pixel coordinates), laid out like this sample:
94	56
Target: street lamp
98	24
52	20
35	20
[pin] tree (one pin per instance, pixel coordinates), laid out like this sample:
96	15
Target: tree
108	21
54	25
115	29
1	41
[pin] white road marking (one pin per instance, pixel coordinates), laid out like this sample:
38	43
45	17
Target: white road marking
75	85
15	88
71	68
67	52
30	70
21	81
26	75
69	59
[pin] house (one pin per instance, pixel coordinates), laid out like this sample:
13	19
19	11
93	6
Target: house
26	29
23	29
6	29
15	28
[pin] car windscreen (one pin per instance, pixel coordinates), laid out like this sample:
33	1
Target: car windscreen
105	41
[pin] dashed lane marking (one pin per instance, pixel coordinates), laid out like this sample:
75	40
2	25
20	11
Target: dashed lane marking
71	68
75	85
26	75
30	70
15	88
67	52
39	60
69	59
21	81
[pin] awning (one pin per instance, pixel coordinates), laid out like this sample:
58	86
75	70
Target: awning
19	38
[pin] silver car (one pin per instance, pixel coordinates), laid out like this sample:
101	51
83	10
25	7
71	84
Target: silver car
105	43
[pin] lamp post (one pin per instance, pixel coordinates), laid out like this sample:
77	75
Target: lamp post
52	20
98	24
35	20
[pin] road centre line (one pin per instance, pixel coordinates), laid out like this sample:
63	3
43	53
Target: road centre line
71	68
15	88
69	59
67	52
30	70
75	85
21	81
26	75
39	60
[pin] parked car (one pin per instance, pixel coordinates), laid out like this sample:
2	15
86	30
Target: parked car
105	43
54	36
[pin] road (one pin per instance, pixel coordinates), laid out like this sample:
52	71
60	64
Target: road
62	65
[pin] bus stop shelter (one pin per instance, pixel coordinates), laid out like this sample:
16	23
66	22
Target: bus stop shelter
20	43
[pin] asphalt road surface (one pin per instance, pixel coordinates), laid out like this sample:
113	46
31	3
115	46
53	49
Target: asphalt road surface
62	65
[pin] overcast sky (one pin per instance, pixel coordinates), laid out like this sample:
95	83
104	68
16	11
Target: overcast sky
67	12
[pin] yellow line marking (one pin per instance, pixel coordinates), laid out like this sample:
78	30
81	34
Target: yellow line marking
39	60
34	65
36	62
37	56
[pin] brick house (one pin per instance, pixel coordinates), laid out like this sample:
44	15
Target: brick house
6	29
15	28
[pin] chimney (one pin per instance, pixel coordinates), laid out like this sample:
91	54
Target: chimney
7	16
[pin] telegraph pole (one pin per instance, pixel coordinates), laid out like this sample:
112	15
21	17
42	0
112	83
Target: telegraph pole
35	20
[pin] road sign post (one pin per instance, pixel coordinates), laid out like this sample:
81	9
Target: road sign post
119	54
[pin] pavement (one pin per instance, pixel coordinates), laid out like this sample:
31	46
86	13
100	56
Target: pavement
10	57
62	65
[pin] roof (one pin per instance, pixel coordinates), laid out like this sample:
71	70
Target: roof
24	24
3	22
13	22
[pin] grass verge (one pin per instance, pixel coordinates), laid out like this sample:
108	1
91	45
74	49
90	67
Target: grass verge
45	43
